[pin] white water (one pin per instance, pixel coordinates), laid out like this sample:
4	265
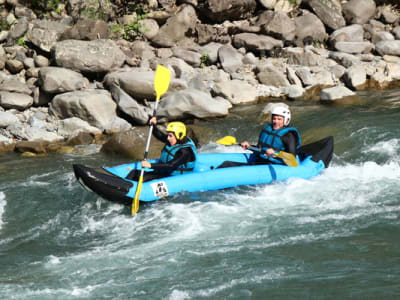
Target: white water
241	243
2	207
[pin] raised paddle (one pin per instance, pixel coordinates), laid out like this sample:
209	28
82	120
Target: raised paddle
288	158
161	83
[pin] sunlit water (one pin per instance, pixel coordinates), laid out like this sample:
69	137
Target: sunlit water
335	236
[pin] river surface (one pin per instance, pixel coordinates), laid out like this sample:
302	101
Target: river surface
336	236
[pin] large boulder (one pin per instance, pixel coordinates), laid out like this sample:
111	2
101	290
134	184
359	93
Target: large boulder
221	10
61	80
44	34
329	12
87	29
309	26
256	42
280	26
230	58
18	101
88	56
359	11
236	91
388	47
191	102
139	84
93	106
176	27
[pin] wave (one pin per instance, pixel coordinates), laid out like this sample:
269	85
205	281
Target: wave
2	207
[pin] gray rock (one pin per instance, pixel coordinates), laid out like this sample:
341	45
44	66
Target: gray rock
236	91
294	92
270	75
191	102
94	106
356	77
280	26
345	59
219	11
18	101
19	29
211	50
87	29
292	77
71	126
387	14
396	32
15	85
176	27
61	80
139	113
329	12
45	34
230	58
309	26
14	66
335	93
352	33
256	42
88	56
41	61
354	47
388	47
359	11
138	84
7	118
306	76
191	57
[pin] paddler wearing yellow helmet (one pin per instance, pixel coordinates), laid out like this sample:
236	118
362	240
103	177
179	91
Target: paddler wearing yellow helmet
177	157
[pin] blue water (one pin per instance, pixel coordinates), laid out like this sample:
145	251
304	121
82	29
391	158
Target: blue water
335	236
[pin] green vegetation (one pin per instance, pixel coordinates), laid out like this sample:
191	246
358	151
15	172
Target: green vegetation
204	60
294	2
135	28
43	6
4	24
21	41
131	31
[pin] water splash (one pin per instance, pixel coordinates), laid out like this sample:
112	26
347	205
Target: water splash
2	208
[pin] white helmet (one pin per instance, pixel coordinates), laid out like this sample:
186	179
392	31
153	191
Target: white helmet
282	111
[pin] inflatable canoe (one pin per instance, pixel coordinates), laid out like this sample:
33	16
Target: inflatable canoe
110	182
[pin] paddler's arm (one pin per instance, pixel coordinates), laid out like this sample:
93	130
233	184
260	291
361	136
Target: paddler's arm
157	133
290	142
182	156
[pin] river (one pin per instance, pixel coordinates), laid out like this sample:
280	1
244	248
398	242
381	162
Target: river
335	236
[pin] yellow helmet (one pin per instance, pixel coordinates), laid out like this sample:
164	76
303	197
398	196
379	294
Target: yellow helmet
178	128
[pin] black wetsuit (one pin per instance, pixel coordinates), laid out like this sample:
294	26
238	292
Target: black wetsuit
161	170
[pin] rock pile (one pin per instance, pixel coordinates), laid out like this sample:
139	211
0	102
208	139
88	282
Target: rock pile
74	70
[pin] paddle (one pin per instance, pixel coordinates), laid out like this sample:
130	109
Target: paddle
161	83
288	158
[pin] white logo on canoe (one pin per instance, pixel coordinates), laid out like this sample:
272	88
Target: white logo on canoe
160	189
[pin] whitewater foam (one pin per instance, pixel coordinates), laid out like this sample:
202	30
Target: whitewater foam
2	207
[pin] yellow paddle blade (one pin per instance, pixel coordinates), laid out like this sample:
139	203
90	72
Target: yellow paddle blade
227	140
161	81
135	203
288	158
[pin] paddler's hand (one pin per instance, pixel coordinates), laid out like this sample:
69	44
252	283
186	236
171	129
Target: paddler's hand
153	121
270	152
146	164
245	144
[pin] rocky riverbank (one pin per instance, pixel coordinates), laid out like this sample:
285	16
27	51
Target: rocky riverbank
81	71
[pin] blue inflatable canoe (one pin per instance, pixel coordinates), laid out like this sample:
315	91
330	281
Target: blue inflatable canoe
111	183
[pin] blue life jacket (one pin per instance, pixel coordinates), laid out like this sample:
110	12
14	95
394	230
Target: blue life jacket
270	138
168	153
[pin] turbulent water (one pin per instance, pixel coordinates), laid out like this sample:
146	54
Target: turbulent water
335	236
